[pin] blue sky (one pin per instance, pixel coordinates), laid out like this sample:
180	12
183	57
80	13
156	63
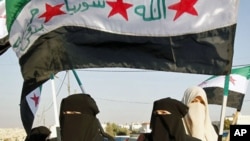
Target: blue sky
122	95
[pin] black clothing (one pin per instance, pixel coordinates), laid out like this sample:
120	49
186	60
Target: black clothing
78	120
169	127
40	133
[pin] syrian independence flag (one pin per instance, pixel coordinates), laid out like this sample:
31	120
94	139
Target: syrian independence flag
238	83
29	104
4	41
190	36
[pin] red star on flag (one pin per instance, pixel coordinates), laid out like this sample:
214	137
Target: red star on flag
35	99
119	7
232	80
184	6
52	11
2	16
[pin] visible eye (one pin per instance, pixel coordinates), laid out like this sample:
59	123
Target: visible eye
71	112
198	99
162	112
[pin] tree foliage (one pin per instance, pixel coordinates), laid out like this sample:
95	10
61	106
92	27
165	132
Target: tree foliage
115	130
227	123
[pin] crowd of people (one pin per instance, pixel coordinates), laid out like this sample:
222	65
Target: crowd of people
171	120
186	120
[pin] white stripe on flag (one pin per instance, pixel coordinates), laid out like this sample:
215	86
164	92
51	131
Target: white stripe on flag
142	19
3	28
237	83
33	99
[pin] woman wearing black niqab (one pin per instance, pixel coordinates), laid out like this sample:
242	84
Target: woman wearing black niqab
78	120
166	121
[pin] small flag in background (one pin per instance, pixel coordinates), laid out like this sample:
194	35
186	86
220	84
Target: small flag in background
238	83
33	99
29	106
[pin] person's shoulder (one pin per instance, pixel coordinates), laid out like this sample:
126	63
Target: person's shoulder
144	137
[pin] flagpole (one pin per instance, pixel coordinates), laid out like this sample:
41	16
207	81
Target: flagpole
224	105
68	82
78	81
235	118
57	125
54	100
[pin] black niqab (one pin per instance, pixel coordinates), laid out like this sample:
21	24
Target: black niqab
77	119
169	127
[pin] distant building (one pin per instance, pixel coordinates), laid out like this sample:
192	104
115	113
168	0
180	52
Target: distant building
12	134
127	126
145	127
135	126
243	119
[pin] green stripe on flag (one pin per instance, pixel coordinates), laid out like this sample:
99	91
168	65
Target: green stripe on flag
244	71
226	86
13	8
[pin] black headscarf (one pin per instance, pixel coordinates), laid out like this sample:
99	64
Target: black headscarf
169	127
40	133
77	119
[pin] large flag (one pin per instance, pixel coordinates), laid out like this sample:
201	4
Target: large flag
238	83
4	40
190	36
29	105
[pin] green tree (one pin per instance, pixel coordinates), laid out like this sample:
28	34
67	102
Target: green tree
227	123
114	130
122	131
109	129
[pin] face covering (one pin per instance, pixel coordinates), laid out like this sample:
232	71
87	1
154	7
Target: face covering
169	127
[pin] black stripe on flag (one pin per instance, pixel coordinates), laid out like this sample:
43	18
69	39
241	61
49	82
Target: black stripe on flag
215	96
25	111
210	52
